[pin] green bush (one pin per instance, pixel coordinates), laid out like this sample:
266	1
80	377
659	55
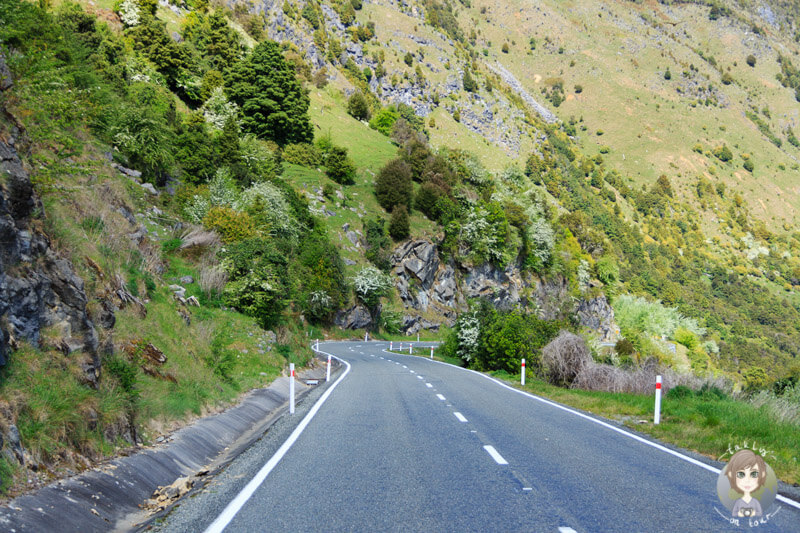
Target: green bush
748	165
399	227
303	154
723	153
393	185
339	167
384	120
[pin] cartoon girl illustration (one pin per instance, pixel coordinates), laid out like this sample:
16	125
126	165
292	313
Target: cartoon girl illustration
746	472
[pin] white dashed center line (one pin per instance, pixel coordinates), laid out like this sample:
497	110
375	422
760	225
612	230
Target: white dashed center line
566	530
460	417
429	385
441	397
496	456
419	377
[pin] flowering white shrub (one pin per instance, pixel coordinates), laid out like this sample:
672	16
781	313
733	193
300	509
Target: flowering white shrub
370	285
512	174
542	239
583	275
129	12
257	158
217	109
485	233
272	207
469	330
221	193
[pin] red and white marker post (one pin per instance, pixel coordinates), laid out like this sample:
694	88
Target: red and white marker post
522	378
658	400
409	348
401	346
328	372
431	352
291	388
391	345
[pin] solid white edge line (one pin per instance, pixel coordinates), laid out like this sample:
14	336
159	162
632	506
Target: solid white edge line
604	424
238	502
460	417
496	456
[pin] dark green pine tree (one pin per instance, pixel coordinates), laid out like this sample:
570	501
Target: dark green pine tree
273	102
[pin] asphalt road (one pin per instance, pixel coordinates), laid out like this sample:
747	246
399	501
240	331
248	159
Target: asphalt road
406	444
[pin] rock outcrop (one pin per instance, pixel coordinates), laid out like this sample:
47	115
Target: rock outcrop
38	289
434	292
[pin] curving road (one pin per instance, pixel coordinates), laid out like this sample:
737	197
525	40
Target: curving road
407	444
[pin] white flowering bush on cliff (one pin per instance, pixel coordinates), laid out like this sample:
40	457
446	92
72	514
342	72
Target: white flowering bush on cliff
371	285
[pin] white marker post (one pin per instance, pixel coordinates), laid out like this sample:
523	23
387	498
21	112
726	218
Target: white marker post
291	388
658	400
328	372
431	352
523	372
391	344
417	336
401	346
409	348
365	336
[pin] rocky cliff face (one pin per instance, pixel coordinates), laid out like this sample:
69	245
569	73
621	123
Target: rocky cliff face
434	292
38	289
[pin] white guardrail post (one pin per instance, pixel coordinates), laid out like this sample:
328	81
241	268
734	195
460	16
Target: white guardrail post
328	372
291	388
523	372
658	401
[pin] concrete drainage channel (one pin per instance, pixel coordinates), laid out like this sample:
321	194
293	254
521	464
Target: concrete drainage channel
123	493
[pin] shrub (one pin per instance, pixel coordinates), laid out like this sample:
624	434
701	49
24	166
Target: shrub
624	348
578	89
358	107
427	200
393	185
506	338
231	225
320	78
504	48
723	153
564	357
303	154
258	293
751	60
384	119
339	167
727	79
370	285
399	227
469	83
268	207
378	245
748	165
146	141
667	75
457	115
